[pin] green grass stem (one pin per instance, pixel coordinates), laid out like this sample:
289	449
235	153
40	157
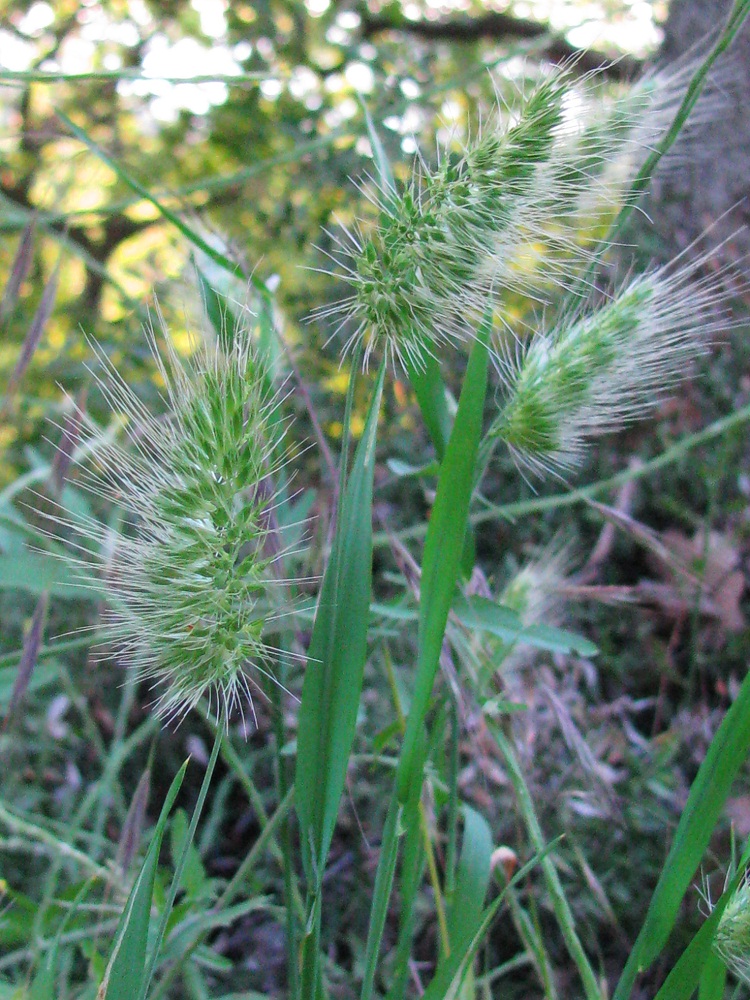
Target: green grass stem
559	901
180	866
569	498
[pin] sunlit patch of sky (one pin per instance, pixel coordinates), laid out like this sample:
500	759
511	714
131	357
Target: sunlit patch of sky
99	41
586	24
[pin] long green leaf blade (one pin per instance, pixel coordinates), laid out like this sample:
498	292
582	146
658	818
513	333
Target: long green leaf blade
685	977
478	612
444	546
726	754
124	975
430	391
195	238
336	658
446	984
472	879
381	894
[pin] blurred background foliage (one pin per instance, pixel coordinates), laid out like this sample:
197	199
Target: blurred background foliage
247	121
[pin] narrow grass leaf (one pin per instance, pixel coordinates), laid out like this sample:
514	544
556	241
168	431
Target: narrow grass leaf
36	573
19	269
403	470
180	861
409	882
336	658
385	173
447	982
36	329
472	879
126	967
726	755
480	613
713	978
559	900
221	317
31	646
738	13
429	388
381	894
43	984
132	828
444	546
195	238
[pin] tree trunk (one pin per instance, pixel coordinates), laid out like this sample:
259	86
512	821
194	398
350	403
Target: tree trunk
709	186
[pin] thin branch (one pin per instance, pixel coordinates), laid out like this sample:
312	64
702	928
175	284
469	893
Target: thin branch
497	26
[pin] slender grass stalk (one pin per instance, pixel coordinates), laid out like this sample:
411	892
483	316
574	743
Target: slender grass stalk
537	505
231	890
284	786
174	887
560	903
445	943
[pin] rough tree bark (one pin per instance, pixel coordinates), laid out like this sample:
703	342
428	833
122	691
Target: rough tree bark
711	185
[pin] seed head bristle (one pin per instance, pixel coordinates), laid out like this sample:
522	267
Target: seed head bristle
187	580
503	213
600	369
732	939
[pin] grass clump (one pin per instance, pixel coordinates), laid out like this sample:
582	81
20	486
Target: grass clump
204	598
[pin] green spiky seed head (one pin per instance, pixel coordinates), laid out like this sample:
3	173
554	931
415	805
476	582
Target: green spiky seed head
732	939
187	583
602	368
421	277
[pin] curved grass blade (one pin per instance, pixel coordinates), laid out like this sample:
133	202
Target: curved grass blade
220	314
685	977
336	658
444	546
559	900
410	878
713	978
726	755
382	893
385	173
447	982
429	388
395	823
124	975
43	984
478	612
195	238
472	879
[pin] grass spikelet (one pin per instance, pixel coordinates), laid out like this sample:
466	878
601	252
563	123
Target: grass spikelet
421	277
600	370
732	940
187	581
503	213
534	592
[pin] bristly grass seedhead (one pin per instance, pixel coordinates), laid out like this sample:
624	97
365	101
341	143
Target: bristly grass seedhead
421	277
187	582
535	591
602	369
504	213
732	939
